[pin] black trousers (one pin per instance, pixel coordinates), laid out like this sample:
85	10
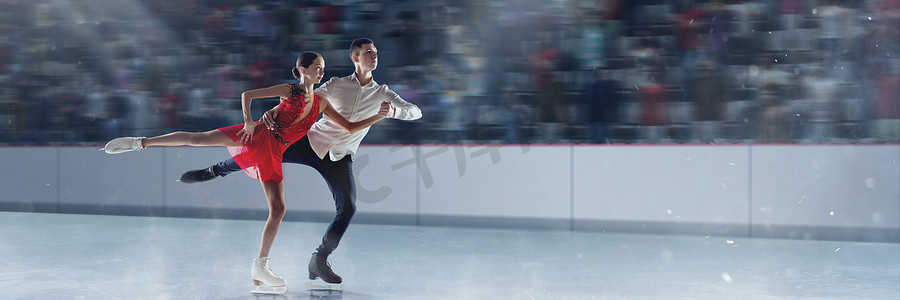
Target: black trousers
337	174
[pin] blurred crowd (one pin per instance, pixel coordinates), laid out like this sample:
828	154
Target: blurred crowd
504	71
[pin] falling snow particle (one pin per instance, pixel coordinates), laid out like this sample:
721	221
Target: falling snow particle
754	70
838	249
877	218
726	277
669	211
831	213
729	242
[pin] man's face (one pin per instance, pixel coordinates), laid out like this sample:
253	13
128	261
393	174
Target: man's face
368	57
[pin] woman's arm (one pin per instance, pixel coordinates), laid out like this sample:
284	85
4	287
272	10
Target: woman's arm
281	90
352	127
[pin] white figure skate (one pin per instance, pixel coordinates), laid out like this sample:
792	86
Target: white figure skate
124	144
262	274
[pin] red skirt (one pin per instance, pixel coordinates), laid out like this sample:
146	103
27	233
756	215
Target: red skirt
261	158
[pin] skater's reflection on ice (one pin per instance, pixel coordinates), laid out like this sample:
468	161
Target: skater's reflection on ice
271	296
326	294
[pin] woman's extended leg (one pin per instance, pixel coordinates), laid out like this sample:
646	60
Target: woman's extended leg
198	139
178	138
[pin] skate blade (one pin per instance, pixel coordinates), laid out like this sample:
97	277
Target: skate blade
319	284
272	291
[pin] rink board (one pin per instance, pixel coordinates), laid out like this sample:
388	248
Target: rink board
840	192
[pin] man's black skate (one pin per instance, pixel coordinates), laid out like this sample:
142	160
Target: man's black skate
201	175
320	268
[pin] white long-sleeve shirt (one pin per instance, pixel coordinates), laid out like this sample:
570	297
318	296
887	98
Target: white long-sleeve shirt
356	103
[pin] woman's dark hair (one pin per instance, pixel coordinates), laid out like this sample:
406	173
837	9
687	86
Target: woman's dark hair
305	59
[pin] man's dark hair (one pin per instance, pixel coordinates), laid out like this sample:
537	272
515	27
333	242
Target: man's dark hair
357	44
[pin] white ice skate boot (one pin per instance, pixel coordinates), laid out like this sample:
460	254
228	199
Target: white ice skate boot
124	144
262	274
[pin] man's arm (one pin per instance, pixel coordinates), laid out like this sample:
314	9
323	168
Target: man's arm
402	110
345	124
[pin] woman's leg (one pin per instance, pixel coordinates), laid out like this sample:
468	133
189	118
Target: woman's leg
197	139
275	196
261	273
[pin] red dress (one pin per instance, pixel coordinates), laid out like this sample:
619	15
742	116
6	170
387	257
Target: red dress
261	158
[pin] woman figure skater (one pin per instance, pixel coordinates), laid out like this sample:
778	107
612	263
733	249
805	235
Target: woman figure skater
258	150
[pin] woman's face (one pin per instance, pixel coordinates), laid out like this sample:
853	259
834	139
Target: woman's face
315	71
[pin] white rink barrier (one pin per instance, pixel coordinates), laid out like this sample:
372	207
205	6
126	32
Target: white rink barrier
833	192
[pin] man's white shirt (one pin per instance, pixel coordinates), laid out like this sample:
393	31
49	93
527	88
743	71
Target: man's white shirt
356	103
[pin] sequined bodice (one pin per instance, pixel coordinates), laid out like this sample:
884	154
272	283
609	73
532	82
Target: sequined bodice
287	126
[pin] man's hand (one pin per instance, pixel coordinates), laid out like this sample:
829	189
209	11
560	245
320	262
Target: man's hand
268	118
387	109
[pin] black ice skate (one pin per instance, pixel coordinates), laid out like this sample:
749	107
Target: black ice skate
201	175
320	268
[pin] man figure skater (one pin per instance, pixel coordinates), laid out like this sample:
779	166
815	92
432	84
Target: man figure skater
328	148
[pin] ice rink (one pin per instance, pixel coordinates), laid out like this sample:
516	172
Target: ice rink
63	256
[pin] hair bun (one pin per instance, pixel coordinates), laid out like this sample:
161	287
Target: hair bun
296	72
